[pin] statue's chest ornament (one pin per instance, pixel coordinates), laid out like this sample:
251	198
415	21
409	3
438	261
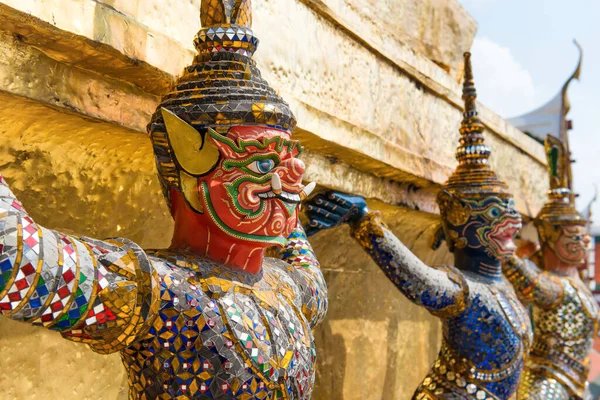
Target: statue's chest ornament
263	327
516	315
573	320
589	305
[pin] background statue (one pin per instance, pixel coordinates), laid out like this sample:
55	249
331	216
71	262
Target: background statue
210	317
565	313
486	330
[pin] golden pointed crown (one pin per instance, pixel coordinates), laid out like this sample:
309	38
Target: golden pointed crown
473	177
222	88
560	208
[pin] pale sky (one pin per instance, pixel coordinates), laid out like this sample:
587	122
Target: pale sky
523	53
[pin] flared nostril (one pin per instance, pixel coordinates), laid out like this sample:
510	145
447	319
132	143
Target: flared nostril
294	169
299	166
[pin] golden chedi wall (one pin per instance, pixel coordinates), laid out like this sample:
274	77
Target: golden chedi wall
374	87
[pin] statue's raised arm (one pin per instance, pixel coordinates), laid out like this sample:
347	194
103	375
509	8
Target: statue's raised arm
417	281
534	286
486	330
103	293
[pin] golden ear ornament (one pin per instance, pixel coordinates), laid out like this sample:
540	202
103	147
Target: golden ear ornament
195	155
453	210
549	233
458	242
461	243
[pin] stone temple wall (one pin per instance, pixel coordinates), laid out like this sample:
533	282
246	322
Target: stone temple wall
375	87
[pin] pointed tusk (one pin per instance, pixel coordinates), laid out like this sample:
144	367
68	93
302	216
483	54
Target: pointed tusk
307	190
276	184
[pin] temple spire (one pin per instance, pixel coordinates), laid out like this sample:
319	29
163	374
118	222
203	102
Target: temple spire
473	176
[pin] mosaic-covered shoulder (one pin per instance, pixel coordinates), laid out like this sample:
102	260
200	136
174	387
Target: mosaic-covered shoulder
288	281
215	280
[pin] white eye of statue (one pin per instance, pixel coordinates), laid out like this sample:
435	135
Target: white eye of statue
261	166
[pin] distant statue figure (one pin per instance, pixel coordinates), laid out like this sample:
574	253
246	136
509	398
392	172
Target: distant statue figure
210	317
565	313
486	330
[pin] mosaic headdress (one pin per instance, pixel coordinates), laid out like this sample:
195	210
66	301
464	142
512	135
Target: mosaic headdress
560	208
222	88
473	177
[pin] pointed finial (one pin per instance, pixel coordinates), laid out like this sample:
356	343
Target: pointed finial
469	93
558	164
472	149
560	207
226	12
576	74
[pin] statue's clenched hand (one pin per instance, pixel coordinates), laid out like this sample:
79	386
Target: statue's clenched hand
331	209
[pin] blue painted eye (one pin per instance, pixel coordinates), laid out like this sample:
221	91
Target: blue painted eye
261	166
494	212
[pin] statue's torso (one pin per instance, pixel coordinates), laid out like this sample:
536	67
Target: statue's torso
564	336
483	349
223	334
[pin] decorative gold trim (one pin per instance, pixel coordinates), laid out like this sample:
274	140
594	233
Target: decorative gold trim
36	279
189	187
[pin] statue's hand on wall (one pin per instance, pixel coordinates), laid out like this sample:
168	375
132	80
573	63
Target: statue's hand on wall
331	209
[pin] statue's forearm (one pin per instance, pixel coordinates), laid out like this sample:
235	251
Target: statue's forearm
65	283
532	285
299	255
441	290
44	274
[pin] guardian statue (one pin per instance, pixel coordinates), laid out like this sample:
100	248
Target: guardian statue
210	317
486	330
565	313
